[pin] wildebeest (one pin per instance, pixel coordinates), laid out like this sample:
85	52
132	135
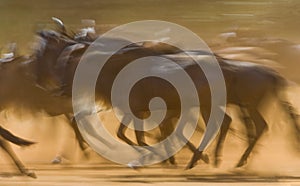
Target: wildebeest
19	89
58	71
239	78
10	88
6	135
250	88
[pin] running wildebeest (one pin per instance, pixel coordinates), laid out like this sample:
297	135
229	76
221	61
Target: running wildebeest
6	135
19	89
250	87
55	63
236	75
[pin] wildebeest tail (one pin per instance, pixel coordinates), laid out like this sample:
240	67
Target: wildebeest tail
13	138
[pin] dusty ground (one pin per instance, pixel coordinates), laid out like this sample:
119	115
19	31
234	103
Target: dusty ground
109	174
273	161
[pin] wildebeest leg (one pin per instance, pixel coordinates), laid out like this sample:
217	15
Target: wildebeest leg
205	111
166	128
250	128
223	132
7	148
293	115
78	135
260	126
121	134
140	134
121	131
140	138
81	142
190	145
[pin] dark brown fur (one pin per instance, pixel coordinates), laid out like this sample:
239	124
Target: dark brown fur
239	79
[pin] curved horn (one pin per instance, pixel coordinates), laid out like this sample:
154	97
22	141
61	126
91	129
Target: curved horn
60	25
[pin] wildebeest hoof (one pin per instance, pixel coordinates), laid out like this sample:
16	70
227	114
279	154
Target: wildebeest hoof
197	155
31	174
241	163
172	160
